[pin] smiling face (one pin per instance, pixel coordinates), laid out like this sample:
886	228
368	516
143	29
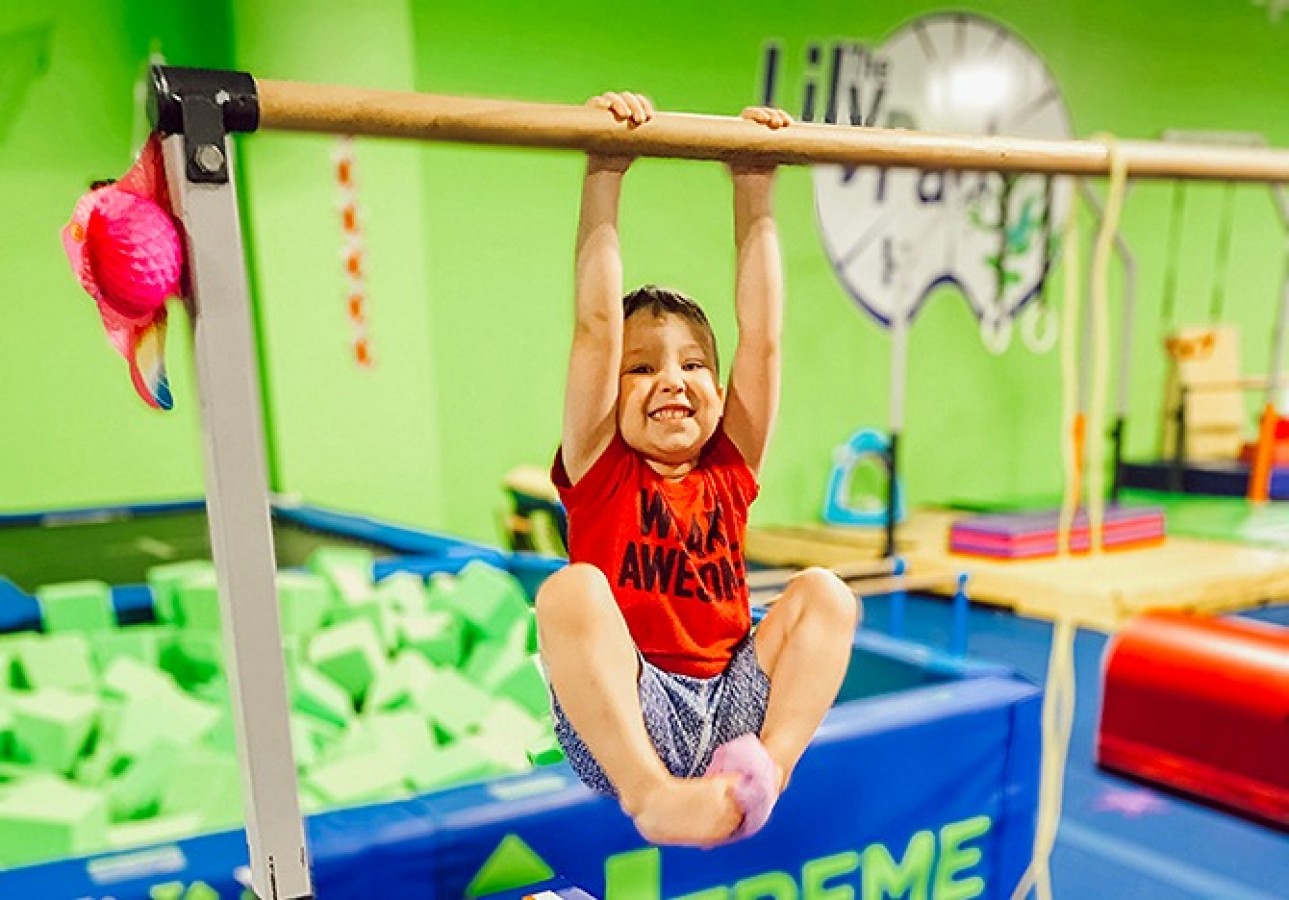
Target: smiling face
669	401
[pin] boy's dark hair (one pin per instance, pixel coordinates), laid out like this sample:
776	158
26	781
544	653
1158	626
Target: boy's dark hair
660	301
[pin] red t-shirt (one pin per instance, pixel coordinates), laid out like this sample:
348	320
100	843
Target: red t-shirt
671	550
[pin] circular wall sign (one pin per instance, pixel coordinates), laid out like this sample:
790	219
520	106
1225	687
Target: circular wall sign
893	235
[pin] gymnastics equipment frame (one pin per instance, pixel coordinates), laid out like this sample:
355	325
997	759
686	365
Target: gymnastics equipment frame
195	110
1259	489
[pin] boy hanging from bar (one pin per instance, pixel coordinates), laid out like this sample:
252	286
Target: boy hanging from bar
663	694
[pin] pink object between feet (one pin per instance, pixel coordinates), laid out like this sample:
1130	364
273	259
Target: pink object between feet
758	788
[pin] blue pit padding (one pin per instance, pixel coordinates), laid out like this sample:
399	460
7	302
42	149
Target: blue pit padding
924	750
403	541
133	603
893	665
19	611
98	513
531	569
904	777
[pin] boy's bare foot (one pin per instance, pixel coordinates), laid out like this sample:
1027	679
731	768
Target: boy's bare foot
689	812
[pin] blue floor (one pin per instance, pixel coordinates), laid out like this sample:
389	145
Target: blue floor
1118	838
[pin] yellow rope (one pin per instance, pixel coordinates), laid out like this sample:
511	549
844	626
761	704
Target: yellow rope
1059	693
1101	342
1071	452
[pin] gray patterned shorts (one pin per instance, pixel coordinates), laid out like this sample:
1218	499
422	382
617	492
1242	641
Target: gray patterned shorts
687	718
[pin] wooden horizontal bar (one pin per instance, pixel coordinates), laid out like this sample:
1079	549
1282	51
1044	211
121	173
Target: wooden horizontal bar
297	106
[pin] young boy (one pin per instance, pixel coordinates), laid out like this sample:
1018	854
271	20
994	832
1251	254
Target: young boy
646	635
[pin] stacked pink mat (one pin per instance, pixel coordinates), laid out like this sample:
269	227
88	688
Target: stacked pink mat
1034	534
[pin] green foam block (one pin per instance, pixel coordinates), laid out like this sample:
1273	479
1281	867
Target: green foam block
544	750
55	660
311	739
222	736
6	665
526	685
491	600
453	704
403	592
49	817
509	729
194	657
310	800
95	767
303	598
6	727
348	570
356	777
207	784
126	676
383	620
491	661
167	714
407	739
51	726
314	694
456	763
439	636
139	642
135	792
196	602
164	581
13	772
399	684
76	606
350	654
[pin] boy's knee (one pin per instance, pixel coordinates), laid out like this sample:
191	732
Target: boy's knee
826	595
566	594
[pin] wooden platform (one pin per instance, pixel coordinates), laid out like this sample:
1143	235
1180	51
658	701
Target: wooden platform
1099	592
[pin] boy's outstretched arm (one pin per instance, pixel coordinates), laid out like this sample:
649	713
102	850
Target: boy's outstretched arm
591	395
753	395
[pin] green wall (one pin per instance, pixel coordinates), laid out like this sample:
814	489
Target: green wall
349	437
470	249
73	431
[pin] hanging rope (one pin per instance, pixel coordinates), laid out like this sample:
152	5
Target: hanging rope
1176	219
1222	260
1059	694
1058	722
1073	425
1058	702
1101	254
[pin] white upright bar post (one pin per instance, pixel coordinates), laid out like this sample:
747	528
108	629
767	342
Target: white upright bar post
237	506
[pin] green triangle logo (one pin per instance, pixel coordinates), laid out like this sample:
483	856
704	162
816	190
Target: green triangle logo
512	865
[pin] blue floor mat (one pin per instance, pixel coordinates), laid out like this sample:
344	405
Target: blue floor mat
1118	838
